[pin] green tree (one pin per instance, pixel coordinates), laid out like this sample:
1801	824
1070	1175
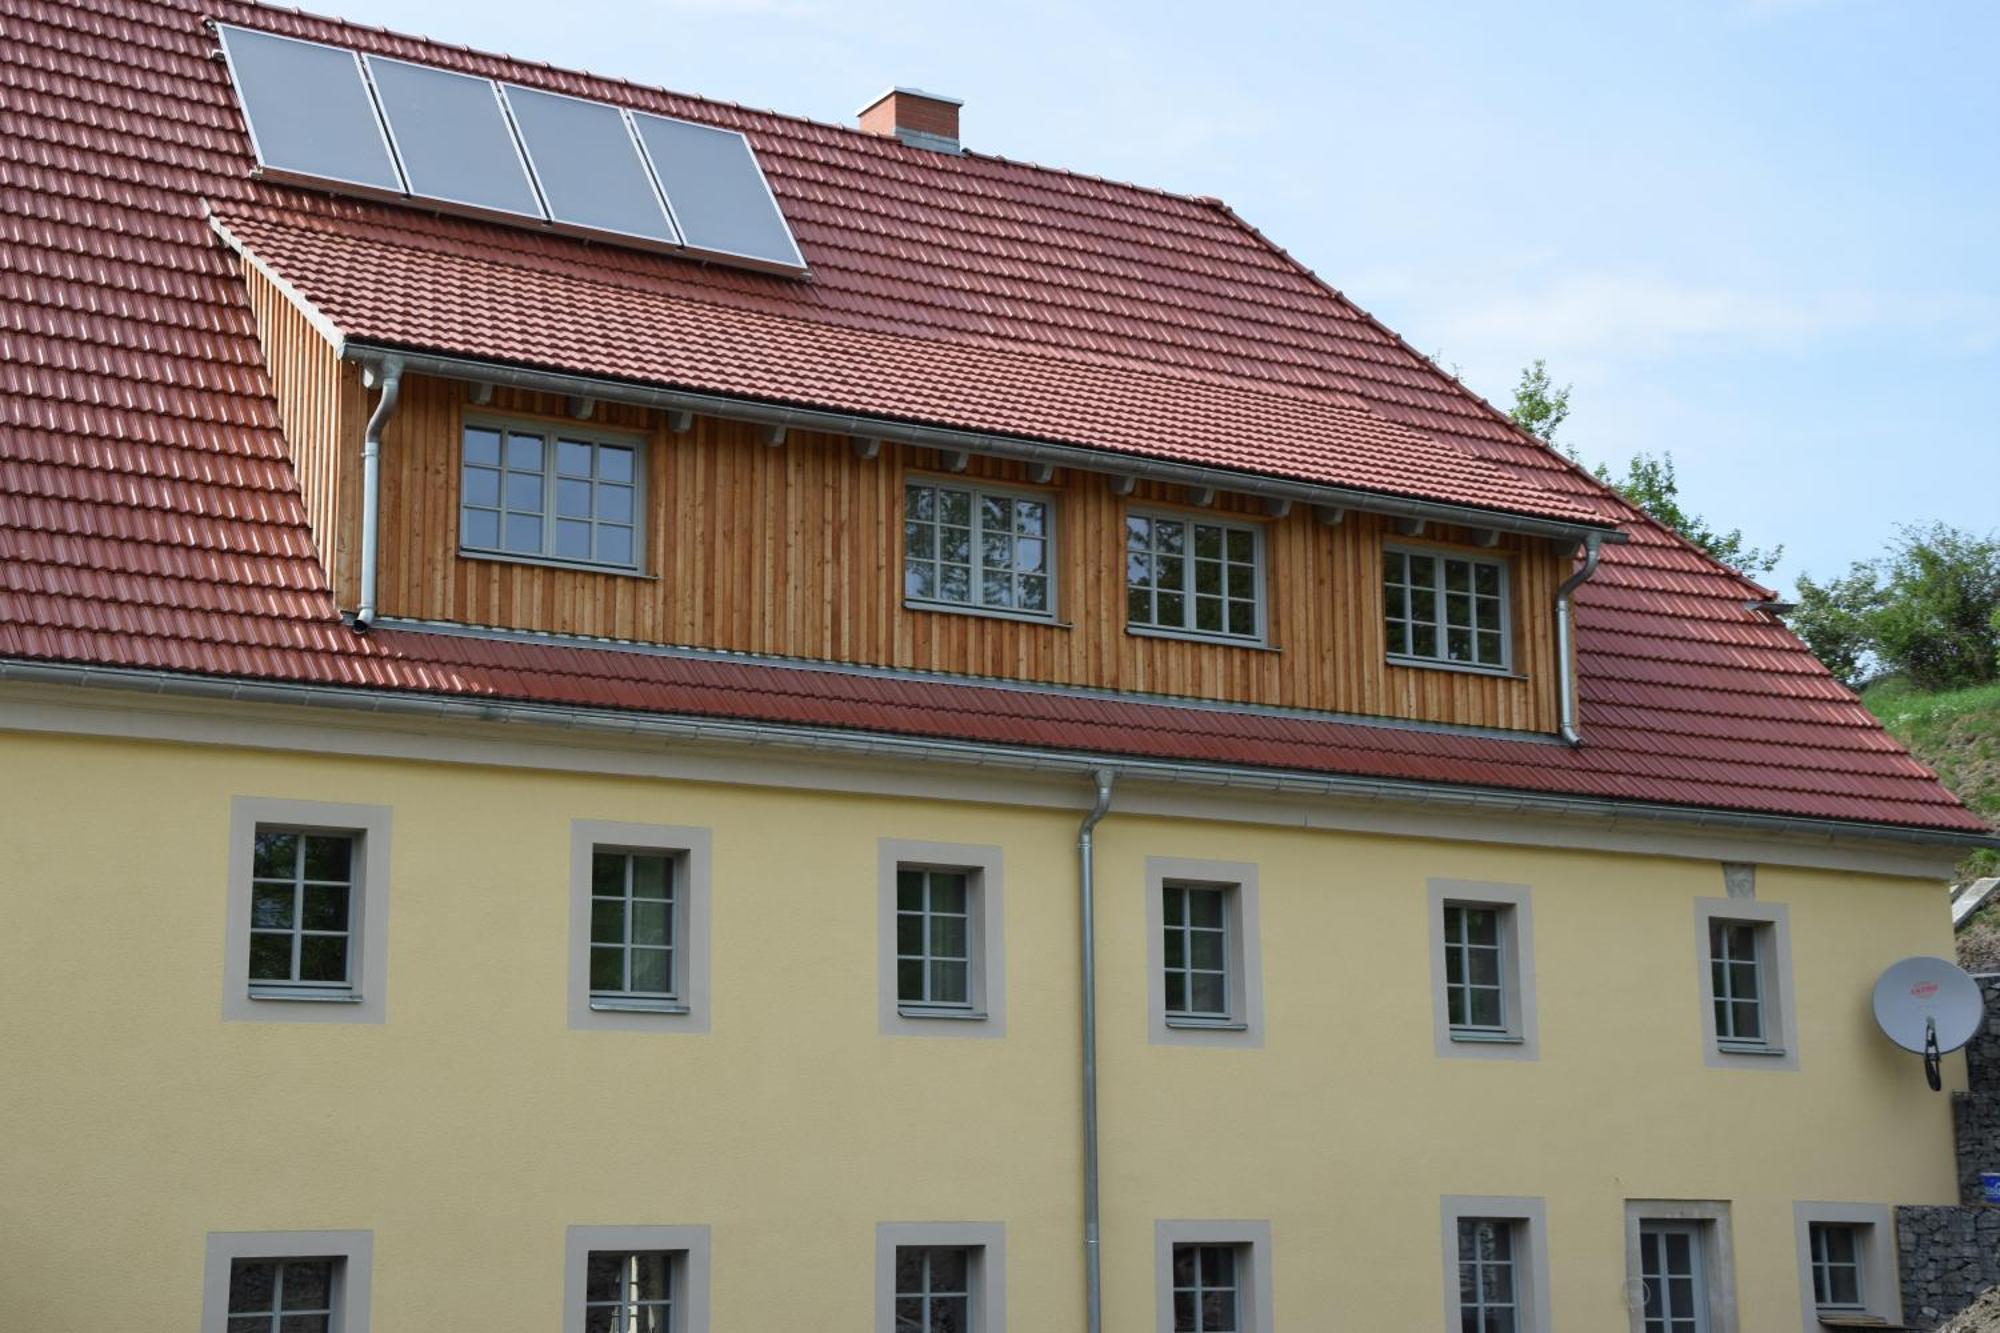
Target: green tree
1833	619
1936	623
1540	408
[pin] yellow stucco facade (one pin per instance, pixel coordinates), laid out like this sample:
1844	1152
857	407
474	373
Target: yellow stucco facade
473	1125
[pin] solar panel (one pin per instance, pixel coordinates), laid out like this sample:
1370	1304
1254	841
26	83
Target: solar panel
452	137
716	190
589	168
309	110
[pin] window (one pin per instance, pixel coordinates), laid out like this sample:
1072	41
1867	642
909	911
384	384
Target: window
1488	1291
281	1296
549	494
1185	576
639	927
1446	609
979	548
1747	1017
1736	978
1495	1273
308	912
628	1291
1678	1258
301	895
1196	948
1847	1263
1204	980
940	1277
1482	979
632	909
1205	1289
1836	1265
933	937
941	971
1213	1277
286	1282
639	1279
933	1289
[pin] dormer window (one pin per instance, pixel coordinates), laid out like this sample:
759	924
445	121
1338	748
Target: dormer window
1444	609
977	548
542	494
1193	577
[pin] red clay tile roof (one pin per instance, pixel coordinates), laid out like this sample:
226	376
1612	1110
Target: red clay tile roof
149	518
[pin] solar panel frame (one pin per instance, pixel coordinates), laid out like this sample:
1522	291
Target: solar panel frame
670	241
537	206
792	262
396	188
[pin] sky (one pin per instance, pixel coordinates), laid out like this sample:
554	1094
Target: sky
1762	235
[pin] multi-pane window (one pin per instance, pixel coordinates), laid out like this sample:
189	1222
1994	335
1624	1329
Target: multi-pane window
977	548
550	495
933	937
1192	577
1474	959
627	1292
632	902
1673	1286
1736	972
281	1296
1205	1289
1836	1265
1488	1287
1445	608
301	909
934	1289
1196	957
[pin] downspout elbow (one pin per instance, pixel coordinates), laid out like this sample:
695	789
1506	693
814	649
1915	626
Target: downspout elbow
1566	639
389	375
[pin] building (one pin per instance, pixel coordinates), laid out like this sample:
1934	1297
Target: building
547	737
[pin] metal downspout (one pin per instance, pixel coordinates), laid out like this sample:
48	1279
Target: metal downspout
1565	635
1093	1280
389	373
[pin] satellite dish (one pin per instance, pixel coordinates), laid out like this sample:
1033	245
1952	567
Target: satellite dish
1929	1006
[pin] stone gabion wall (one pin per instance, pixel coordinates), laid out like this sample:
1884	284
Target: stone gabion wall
1976	1113
1949	1256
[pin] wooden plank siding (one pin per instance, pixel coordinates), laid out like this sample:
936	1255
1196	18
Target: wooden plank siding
795	551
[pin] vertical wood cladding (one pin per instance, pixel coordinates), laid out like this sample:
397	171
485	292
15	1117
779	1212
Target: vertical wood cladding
796	550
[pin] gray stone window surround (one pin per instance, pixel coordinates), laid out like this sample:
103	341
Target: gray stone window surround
1774	945
1718	1256
352	1251
1881	1284
985	887
1245	1024
1521	1038
689	1246
690	850
1252	1242
1531	1253
365	1000
986	1240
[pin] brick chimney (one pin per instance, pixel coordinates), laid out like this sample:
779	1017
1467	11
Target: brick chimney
919	119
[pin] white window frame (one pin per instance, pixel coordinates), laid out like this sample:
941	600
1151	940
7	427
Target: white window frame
1710	1219
687	1246
986	1267
352	1254
1529	1229
1443	661
1779	1050
363	999
974	606
1252	1242
551	433
1243	1025
1187	630
687	1010
1519	1038
985	1012
1881	1282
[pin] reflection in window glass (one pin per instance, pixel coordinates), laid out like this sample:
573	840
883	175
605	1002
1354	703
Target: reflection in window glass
548	495
1191	576
1445	608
